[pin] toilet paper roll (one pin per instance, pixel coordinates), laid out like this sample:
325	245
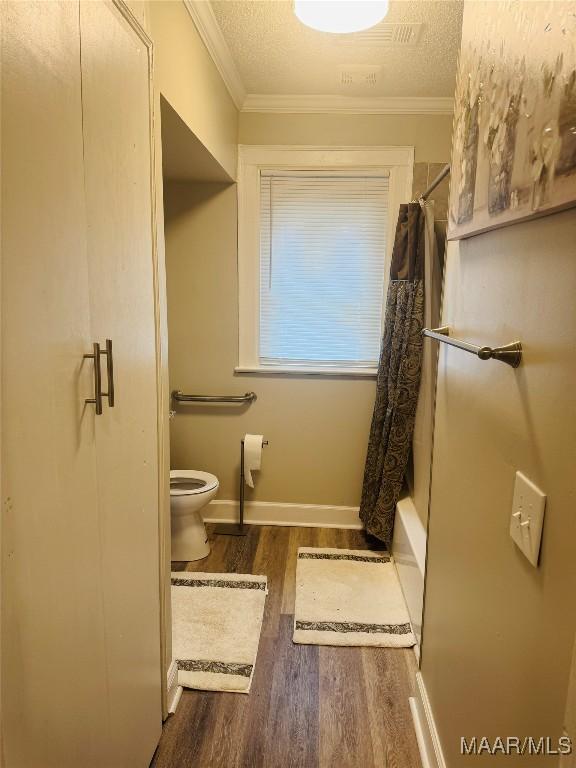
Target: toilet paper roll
252	456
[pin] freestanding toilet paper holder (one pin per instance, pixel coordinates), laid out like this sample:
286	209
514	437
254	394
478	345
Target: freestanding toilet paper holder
237	529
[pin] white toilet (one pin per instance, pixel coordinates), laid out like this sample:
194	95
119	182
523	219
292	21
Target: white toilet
190	491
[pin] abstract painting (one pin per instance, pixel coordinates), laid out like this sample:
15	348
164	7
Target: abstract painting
514	151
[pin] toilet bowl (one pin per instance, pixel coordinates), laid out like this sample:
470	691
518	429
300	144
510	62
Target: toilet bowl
190	491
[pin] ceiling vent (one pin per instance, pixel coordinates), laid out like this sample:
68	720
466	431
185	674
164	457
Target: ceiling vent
386	35
358	78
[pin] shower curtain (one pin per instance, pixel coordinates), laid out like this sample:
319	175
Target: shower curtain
399	369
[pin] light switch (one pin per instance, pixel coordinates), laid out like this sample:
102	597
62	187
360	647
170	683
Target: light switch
527	517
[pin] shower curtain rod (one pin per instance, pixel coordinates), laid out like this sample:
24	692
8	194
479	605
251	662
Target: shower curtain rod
441	176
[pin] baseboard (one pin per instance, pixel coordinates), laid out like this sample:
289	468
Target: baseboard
277	513
426	734
174	691
420	737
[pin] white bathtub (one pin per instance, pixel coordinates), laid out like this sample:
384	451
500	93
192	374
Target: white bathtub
409	551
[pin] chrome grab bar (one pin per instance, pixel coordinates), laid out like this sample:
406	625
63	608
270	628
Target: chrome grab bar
511	354
180	397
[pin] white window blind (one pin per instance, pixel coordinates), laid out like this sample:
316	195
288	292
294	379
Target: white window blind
322	257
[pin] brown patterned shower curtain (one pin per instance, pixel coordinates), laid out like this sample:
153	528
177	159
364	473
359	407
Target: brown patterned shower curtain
398	379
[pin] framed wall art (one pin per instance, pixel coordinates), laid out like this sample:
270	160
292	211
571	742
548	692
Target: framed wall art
514	149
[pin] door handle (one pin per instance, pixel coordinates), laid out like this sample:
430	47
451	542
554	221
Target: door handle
110	372
97	399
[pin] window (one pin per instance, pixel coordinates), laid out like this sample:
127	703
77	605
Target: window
314	251
322	255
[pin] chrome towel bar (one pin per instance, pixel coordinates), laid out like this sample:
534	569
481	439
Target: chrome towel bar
180	397
511	354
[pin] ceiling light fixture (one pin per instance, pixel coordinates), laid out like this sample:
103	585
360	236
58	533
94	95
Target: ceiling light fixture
340	16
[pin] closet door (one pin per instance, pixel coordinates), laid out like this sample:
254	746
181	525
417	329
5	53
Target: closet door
54	709
118	180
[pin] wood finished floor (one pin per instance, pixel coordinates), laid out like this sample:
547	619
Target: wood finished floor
310	706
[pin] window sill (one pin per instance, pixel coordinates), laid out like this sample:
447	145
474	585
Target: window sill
350	373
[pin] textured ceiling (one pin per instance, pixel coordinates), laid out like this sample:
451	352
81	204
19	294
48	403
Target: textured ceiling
276	54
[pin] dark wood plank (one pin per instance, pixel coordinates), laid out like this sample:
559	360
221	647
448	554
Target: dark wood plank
291	730
345	738
183	735
226	727
250	747
270	559
241	551
388	678
333	538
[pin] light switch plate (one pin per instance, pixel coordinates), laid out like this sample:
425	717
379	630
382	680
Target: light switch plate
527	517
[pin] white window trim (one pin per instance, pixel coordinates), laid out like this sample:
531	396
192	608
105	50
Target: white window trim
397	162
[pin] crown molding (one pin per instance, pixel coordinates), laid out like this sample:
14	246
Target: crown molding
211	35
353	105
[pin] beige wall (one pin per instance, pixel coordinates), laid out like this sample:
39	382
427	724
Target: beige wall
317	427
498	633
190	82
430	135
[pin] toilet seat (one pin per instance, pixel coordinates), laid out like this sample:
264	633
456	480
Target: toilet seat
193	482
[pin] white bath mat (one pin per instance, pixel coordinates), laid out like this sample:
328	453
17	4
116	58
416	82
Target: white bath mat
216	623
349	597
